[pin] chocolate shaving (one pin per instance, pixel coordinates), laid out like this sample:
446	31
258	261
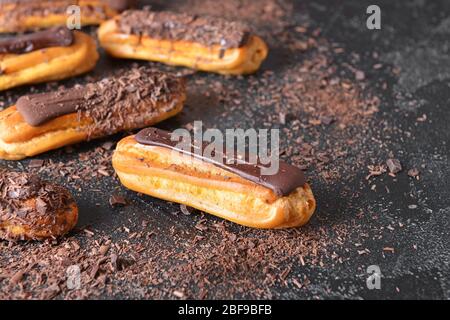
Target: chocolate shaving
117	200
16	189
166	25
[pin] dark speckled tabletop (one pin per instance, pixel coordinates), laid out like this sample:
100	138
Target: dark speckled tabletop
399	224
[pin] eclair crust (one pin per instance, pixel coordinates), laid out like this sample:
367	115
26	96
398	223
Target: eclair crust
159	172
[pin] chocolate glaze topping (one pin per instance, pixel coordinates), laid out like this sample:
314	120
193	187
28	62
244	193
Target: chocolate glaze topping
16	188
207	31
114	103
283	183
55	37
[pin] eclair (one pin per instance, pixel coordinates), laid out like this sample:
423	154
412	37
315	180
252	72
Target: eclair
49	55
202	43
32	209
26	15
41	122
151	163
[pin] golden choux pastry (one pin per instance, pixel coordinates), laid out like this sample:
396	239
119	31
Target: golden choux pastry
50	55
42	122
26	15
150	163
202	43
32	209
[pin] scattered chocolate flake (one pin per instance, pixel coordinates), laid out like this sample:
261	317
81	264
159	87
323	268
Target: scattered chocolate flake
394	165
117	200
359	75
108	145
184	210
327	120
113	103
36	163
17	277
414	173
15	191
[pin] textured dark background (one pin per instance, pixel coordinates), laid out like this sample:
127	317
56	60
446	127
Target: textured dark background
411	216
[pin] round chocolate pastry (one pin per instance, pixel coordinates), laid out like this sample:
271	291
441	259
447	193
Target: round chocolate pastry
32	209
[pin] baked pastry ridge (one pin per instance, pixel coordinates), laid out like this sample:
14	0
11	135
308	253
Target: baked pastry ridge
236	194
32	209
26	15
50	55
203	43
46	121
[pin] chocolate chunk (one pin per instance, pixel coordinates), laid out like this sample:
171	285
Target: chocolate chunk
414	172
16	188
207	31
184	210
55	37
326	120
117	200
394	165
283	183
41	206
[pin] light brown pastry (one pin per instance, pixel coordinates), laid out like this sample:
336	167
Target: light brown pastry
32	209
29	59
25	15
42	122
202	43
153	168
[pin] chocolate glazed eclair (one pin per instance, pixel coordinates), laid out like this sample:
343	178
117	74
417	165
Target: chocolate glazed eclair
150	163
32	209
26	15
42	122
49	55
203	43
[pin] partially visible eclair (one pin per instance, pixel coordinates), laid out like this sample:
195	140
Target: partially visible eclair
136	99
32	209
202	43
